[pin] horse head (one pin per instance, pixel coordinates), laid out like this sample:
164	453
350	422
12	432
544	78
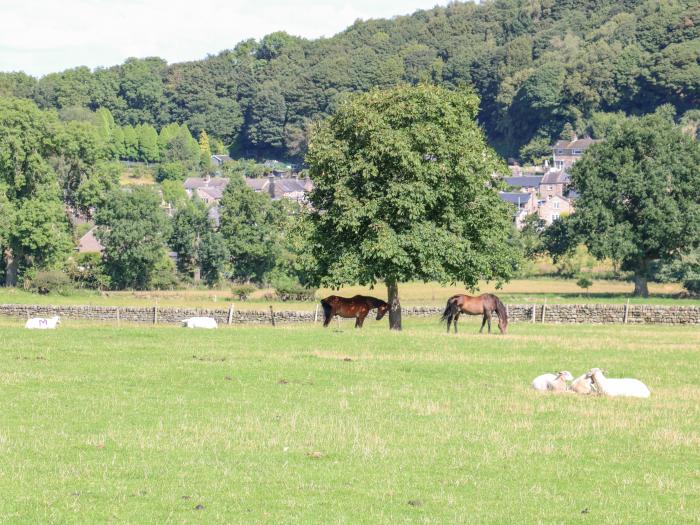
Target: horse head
382	310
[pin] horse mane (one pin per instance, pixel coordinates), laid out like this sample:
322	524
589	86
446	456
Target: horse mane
375	302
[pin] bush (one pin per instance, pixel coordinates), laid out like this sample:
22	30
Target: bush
584	282
163	276
171	171
50	282
288	288
692	285
242	291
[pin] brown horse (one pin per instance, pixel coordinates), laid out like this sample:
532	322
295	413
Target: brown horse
484	305
357	307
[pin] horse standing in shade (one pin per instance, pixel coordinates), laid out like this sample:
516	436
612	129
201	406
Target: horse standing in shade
484	305
357	307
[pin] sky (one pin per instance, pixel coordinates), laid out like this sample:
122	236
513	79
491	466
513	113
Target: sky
44	36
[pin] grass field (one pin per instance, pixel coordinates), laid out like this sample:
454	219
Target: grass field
412	294
305	425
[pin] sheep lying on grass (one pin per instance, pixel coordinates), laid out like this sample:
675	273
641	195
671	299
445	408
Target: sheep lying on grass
582	385
199	322
553	382
624	387
39	323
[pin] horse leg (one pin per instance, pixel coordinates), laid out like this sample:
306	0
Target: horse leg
360	319
483	322
456	319
449	322
488	317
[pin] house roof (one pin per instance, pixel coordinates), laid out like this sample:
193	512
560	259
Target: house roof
89	243
215	192
575	144
517	197
192	183
256	184
531	181
555	176
221	158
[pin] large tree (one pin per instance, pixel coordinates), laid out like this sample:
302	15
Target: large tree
251	228
404	191
35	229
133	229
639	195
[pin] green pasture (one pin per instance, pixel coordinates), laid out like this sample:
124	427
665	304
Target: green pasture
305	425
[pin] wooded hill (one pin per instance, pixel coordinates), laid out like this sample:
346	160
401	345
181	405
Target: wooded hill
540	67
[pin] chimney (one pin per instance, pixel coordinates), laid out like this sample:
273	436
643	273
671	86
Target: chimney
271	186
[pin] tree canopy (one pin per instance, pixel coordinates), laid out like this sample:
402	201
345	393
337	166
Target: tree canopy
536	66
639	195
404	190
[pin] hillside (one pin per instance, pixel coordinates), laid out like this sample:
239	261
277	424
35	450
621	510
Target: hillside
540	67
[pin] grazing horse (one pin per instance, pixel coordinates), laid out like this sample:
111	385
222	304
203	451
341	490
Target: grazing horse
484	305
357	307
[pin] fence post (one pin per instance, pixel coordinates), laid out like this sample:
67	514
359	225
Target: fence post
316	315
155	314
534	311
544	309
272	316
627	307
230	314
118	319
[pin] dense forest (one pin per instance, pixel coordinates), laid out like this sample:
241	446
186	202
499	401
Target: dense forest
540	67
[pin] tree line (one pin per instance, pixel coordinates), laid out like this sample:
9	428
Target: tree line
540	67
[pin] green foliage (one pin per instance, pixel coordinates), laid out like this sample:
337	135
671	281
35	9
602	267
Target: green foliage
133	230
204	150
163	275
86	270
536	151
147	143
403	192
54	281
242	291
584	282
535	65
174	193
639	195
171	171
131	143
251	225
35	230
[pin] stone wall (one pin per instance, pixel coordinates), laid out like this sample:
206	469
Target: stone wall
554	313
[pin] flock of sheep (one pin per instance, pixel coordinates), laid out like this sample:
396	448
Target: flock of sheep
592	382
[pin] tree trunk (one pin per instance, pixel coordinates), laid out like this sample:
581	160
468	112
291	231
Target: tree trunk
11	269
641	277
197	274
394	305
640	286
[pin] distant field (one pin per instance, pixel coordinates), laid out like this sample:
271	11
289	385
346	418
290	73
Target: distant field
137	176
306	425
412	294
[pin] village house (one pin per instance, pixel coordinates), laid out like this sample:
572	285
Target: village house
566	152
525	204
89	243
211	189
551	209
554	182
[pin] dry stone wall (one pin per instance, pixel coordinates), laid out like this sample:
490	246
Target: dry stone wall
555	313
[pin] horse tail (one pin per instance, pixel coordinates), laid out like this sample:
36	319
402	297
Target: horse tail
450	310
327	312
502	313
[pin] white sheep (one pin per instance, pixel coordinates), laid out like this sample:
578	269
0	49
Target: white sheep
554	382
41	323
582	385
623	387
199	322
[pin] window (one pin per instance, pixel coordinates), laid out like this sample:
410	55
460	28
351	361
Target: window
555	205
555	216
549	187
